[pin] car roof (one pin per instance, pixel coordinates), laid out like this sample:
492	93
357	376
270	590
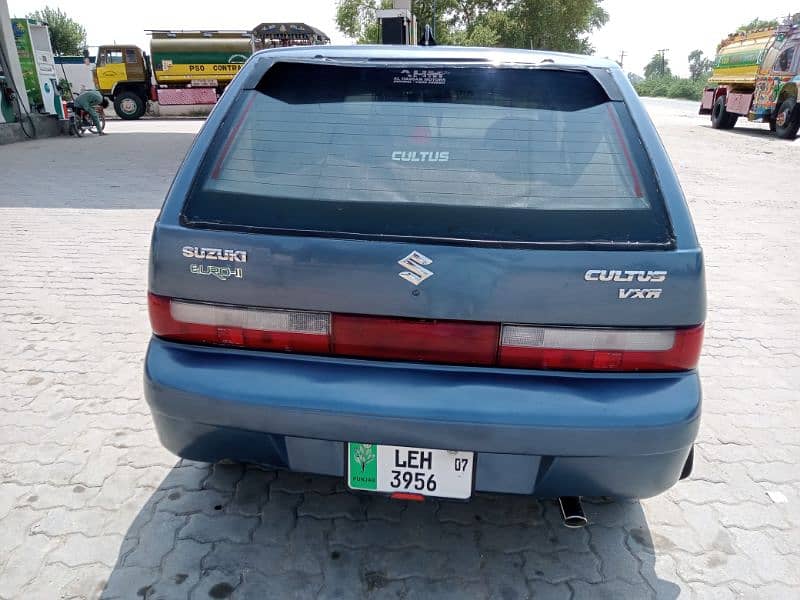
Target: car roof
441	53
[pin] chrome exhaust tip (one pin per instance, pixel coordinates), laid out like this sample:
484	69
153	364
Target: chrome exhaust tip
572	514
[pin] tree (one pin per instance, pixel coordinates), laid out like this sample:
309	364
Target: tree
757	24
547	25
699	65
635	78
357	19
68	37
657	67
542	24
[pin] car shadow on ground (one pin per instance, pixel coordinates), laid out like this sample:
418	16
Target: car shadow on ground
123	170
230	531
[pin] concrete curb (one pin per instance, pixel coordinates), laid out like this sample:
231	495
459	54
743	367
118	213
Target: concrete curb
44	125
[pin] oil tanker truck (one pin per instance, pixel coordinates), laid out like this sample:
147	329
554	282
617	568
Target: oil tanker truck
186	69
755	76
183	68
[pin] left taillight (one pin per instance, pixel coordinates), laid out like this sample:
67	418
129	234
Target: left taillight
259	329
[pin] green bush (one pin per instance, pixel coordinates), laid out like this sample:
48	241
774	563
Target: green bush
671	87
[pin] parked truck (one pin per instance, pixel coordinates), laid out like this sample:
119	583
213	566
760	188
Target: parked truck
756	75
187	68
183	68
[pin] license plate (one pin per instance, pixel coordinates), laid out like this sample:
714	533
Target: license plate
389	469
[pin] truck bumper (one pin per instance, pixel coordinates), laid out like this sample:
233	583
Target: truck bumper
546	435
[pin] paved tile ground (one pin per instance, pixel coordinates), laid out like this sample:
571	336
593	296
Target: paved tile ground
91	505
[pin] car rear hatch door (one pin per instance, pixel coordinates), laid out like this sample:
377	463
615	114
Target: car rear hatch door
441	193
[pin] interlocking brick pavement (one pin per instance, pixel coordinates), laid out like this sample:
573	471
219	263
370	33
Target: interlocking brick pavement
92	506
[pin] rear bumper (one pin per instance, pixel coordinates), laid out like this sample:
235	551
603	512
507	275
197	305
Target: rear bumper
541	434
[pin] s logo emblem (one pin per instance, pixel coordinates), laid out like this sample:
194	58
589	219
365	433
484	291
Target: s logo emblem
415	263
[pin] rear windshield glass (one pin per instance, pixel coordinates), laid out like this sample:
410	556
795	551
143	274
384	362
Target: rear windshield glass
507	155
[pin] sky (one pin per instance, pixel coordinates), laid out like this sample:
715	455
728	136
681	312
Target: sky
124	23
637	27
640	27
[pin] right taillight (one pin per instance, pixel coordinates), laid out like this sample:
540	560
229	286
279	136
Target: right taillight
600	349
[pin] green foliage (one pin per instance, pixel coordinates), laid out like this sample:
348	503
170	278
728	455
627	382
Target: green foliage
356	19
699	65
659	80
635	78
544	24
757	24
671	87
68	37
657	67
65	88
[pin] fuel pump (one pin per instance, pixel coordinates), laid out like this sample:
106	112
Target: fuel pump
32	39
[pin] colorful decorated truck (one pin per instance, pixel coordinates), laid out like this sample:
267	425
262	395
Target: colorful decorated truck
756	76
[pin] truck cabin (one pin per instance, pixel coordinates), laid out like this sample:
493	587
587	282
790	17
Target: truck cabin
116	64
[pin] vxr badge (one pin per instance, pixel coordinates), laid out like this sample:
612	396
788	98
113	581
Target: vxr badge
415	263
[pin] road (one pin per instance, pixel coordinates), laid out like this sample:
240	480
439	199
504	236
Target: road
92	506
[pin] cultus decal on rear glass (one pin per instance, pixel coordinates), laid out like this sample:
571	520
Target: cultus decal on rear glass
414	156
620	276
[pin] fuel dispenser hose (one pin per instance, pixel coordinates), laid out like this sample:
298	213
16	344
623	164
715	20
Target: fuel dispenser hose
22	113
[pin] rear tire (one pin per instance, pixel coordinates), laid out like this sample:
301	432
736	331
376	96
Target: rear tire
721	118
787	121
129	106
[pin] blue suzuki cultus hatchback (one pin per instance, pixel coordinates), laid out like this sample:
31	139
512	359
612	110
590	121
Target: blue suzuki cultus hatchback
431	272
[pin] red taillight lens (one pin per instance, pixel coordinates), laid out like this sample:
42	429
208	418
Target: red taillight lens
595	349
259	329
452	342
418	340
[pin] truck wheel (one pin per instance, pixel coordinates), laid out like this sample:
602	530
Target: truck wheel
787	121
721	118
129	105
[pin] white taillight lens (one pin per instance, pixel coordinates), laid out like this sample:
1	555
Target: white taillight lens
252	328
564	338
599	349
251	318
